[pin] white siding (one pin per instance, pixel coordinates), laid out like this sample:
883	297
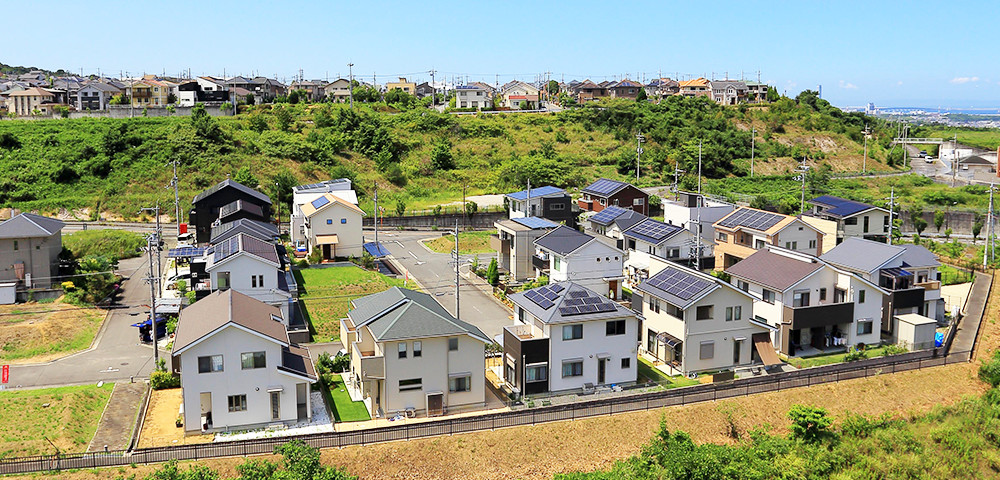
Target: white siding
434	367
595	343
349	234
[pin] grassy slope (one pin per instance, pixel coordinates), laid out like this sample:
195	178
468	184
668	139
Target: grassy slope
342	284
981	138
56	329
107	242
69	420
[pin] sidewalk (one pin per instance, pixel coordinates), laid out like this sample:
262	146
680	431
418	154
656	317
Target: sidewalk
120	415
975	308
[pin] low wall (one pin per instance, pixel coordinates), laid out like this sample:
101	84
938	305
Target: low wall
36	295
959	222
482	220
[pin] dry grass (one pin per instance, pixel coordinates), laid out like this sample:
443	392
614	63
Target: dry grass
468	243
39	332
66	416
159	428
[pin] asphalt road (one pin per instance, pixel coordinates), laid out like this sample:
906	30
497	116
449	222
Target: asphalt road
117	355
436	275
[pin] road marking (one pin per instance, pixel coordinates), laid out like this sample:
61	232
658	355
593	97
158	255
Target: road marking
413	255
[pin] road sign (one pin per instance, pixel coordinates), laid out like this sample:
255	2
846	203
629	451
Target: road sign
6	374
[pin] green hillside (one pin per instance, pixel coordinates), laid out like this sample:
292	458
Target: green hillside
116	166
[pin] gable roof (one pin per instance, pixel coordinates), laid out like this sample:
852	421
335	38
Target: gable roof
254	228
399	314
605	187
224	307
242	243
27	225
536	192
326	186
653	231
697	82
230	183
626	83
679	285
862	255
975	160
32	92
840	207
324	201
563	240
565	302
237	206
628	219
774	270
918	256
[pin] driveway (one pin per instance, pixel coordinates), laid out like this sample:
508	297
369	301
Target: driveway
117	354
436	275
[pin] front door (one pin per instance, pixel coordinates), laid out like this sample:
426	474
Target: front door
275	405
736	351
601	369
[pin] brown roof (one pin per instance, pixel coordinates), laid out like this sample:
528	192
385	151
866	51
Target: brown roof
773	270
32	92
222	308
697	82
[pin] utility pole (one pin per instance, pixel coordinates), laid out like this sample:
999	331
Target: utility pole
989	224
699	167
177	199
639	139
159	237
433	88
151	243
458	281
527	201
753	143
892	211
802	169
350	83
677	174
376	219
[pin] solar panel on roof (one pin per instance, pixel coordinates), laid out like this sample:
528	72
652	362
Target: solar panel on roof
569	311
538	299
186	252
578	294
587	308
534	222
557	288
604	186
549	294
319	202
573	302
226	249
606	307
592	300
607	215
653	230
754	219
678	283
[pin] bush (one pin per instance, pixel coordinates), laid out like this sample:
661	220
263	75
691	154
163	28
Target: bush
809	424
854	354
160	380
989	371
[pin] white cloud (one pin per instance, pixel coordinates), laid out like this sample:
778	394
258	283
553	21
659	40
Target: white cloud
790	84
848	85
961	80
899	82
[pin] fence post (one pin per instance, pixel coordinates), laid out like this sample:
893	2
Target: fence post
532	417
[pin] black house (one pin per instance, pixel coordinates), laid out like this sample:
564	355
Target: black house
207	205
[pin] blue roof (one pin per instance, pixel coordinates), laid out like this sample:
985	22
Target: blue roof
536	192
608	215
185	252
376	250
535	222
841	207
605	187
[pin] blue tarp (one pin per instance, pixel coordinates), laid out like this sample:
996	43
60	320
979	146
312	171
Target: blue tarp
938	339
376	250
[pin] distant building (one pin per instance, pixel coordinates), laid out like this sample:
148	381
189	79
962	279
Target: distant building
698	87
29	250
338	90
472	96
402	84
728	92
95	96
26	102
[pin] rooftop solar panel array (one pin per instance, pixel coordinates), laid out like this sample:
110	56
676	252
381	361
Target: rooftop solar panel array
653	230
608	215
678	283
534	222
750	218
319	202
225	249
605	186
185	252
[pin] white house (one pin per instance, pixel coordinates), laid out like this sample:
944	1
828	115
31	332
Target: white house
568	337
695	322
515	244
811	305
612	221
238	369
570	255
853	219
303	194
653	238
533	202
473	96
252	267
409	354
333	225
515	93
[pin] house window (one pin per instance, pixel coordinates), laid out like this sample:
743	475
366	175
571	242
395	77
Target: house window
237	403
743	285
673	253
792	245
758	244
556	263
654	304
767	296
851	221
210	364
861	296
460	383
865	327
638	201
557	206
252	360
343	221
257	281
572	332
615	327
800	298
704	312
673	310
738	313
418	349
411	384
707	350
452	344
822	294
401	348
604	201
722	237
329	221
812	244
15	245
626	363
572	368
536	373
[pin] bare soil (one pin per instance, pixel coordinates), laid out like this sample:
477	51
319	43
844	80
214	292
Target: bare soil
160	427
40	332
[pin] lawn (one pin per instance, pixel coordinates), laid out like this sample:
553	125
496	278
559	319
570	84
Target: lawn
345	410
66	416
35	332
328	292
953	276
108	242
649	373
985	138
468	243
831	358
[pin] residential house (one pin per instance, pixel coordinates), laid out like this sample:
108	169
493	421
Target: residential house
975	163
264	231
472	96
333	225
694	322
653	238
698	214
519	95
548	202
486	87
908	272
746	230
148	92
29	250
698	87
728	92
30	101
626	89
402	84
303	194
660	88
238	368
811	305
613	221
315	89
425	89
756	92
588	91
409	354
254	268
95	96
565	254
853	219
238	210
567	337
264	89
604	193
515	245
206	205
338	90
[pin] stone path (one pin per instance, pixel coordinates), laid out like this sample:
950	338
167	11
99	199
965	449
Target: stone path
118	421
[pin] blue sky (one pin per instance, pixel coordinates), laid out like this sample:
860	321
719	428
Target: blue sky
907	54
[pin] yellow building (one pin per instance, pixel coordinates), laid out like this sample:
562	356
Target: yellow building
28	101
402	84
148	92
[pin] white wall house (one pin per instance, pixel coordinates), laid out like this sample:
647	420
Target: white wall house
304	194
238	370
612	222
695	322
568	337
515	244
853	219
472	96
652	238
332	225
580	258
408	353
528	203
252	267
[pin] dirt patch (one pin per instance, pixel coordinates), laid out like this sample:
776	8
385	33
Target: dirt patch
160	428
39	332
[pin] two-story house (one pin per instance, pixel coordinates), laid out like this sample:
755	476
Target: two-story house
473	96
402	84
565	254
854	219
238	368
626	89
267	232
653	238
548	202
698	87
515	245
613	221
29	101
568	337
519	95
660	88
95	96
728	92
206	205
694	322
588	91
604	193
409	354
908	272
29	250
338	90
252	267
811	305
746	230
303	194
332	225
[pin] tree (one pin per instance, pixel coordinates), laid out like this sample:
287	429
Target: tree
204	125
400	207
977	227
526	105
492	273
552	87
399	98
171	99
284	118
249	99
441	157
641	96
809	423
772	94
120	99
115	139
283	182
471	208
245	177
938	219
947	234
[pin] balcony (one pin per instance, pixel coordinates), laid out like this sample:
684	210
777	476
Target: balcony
540	263
499	244
929	285
822	315
372	362
907	298
142	93
525	332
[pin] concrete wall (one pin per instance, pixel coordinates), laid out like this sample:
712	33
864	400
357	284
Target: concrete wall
960	223
483	220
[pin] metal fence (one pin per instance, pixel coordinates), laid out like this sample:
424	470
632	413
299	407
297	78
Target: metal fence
532	416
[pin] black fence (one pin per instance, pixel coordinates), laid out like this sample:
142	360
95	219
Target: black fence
531	416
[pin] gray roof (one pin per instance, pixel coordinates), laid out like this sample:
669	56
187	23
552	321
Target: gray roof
325	186
861	255
563	240
553	314
628	219
679	285
28	225
918	256
237	206
255	228
778	272
399	314
223	307
231	183
102	87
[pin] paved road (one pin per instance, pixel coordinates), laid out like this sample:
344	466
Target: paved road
437	276
118	354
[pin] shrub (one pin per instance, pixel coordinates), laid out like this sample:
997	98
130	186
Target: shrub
854	354
161	380
809	424
989	371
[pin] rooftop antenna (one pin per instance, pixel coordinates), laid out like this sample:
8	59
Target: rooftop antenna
677	174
